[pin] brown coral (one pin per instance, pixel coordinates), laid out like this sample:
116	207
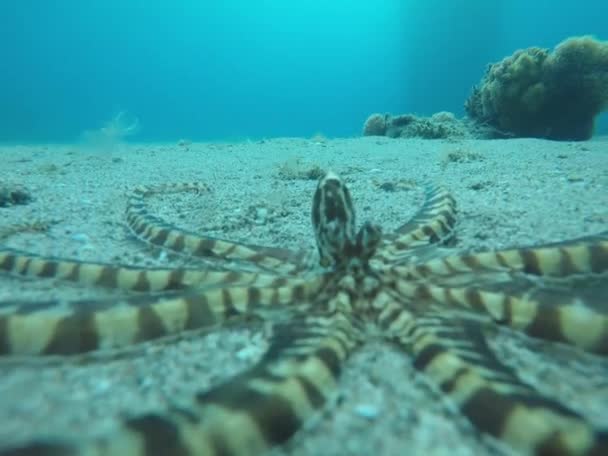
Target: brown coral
536	93
441	125
375	125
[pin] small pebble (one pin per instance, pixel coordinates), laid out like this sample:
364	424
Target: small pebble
261	214
80	237
145	383
101	386
574	178
367	411
246	353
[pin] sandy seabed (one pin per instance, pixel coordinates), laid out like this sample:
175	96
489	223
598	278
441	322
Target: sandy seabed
511	192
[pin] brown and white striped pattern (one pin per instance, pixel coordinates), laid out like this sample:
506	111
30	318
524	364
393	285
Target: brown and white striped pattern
433	224
247	415
431	309
455	355
85	326
128	278
586	256
156	231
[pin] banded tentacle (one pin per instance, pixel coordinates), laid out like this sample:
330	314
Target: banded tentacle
584	257
245	416
570	319
524	288
130	278
432	225
55	328
417	306
453	353
157	231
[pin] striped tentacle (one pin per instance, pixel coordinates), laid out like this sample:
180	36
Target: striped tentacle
432	225
455	355
158	232
128	277
555	316
581	257
55	328
245	416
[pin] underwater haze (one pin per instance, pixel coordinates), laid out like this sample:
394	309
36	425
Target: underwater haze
236	69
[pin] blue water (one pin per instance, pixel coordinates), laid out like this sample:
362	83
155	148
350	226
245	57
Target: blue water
235	69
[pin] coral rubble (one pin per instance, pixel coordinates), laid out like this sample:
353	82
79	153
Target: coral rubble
441	125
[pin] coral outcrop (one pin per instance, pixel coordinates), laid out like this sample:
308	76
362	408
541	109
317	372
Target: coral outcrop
538	93
11	195
441	125
375	125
